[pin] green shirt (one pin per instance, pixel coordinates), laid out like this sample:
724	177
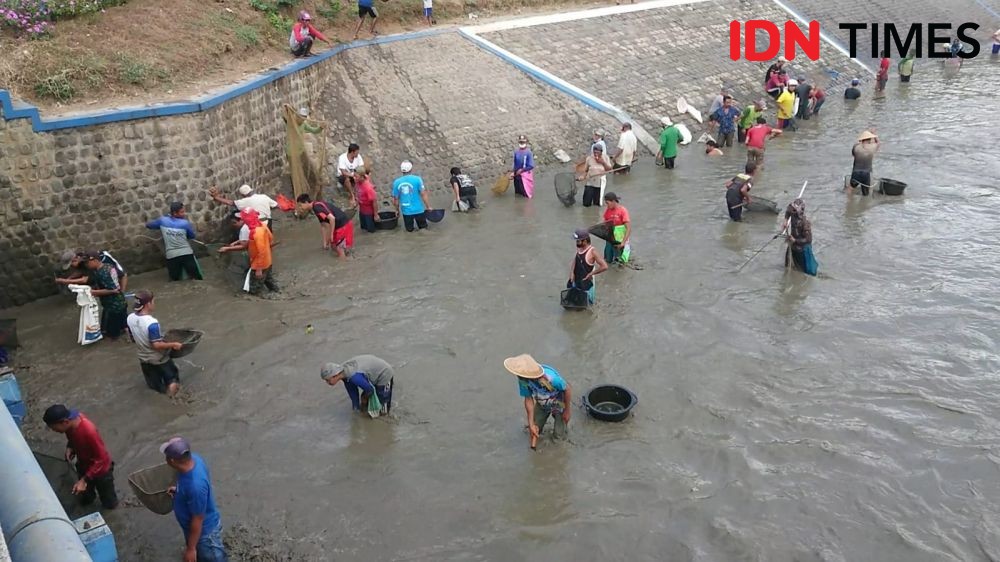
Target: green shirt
668	141
749	117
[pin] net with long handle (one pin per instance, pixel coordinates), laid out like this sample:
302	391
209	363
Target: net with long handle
566	188
306	175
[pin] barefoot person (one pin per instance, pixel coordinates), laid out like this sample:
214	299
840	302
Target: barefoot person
585	265
335	226
545	395
364	376
94	466
154	354
366	8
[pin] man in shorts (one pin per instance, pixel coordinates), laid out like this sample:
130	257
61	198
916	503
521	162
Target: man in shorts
864	153
757	137
366	8
154	354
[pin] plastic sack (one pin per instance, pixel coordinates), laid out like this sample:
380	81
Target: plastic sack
90	315
374	405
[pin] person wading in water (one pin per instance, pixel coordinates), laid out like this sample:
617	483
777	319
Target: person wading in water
864	154
738	191
585	265
799	238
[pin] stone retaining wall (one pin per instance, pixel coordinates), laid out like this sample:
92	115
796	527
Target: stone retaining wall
644	61
96	186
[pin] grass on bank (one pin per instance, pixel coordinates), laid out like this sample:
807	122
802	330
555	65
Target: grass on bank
145	49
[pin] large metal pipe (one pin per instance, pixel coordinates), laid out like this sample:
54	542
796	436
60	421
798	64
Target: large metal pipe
33	521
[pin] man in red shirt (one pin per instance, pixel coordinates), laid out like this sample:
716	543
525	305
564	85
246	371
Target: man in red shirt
756	138
303	34
617	218
883	73
93	462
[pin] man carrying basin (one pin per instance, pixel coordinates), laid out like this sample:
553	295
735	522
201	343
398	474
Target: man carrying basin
545	394
368	381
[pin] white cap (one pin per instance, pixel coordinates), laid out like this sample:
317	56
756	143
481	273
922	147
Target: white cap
406	166
245	190
782	59
793	82
304	111
666	121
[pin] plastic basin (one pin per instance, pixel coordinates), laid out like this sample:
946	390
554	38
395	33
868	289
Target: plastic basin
610	402
387	220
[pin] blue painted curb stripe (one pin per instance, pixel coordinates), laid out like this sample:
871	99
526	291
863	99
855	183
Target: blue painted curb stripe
17	110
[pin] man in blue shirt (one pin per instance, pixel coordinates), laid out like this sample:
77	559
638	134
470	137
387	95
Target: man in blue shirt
726	116
176	231
545	394
410	197
366	8
194	504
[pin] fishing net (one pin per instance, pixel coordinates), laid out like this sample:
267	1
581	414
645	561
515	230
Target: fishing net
305	166
566	188
601	230
574	298
502	185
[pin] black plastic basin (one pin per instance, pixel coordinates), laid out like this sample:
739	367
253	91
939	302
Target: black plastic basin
387	220
610	402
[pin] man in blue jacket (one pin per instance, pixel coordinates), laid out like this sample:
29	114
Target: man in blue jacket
176	231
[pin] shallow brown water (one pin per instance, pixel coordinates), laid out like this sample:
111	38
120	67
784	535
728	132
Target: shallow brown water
846	417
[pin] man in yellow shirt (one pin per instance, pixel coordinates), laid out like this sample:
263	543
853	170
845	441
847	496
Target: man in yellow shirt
786	105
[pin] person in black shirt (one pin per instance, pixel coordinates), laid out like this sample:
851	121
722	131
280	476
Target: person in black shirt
338	232
853	92
464	188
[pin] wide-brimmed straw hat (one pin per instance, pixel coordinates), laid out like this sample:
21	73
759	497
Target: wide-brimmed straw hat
867	135
523	366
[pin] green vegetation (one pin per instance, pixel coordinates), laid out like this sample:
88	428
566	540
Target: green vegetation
56	86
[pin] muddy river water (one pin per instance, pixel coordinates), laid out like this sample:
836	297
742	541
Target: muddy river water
847	417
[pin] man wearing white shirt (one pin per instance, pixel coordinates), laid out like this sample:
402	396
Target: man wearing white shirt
347	164
625	153
256	201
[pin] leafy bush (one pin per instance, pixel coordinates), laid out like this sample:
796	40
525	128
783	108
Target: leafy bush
70	8
26	16
280	22
57	86
248	35
330	10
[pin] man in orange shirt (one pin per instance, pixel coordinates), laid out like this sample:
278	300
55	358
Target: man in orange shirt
261	241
